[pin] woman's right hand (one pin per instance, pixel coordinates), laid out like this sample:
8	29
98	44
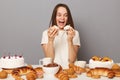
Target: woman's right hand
52	32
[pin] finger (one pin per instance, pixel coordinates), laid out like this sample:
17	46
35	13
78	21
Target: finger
54	32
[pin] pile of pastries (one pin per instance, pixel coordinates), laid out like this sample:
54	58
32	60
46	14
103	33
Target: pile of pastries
64	74
30	72
110	69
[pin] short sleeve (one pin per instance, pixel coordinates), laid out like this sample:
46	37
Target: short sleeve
76	39
44	37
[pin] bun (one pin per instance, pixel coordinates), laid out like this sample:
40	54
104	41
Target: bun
96	58
116	67
3	74
9	71
105	59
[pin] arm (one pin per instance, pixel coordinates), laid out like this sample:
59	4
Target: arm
72	49
48	48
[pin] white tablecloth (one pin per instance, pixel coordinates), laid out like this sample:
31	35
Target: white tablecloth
80	77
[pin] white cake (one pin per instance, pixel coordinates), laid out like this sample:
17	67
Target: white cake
95	64
67	27
11	61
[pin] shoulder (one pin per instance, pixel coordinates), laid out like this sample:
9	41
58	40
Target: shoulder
45	31
76	32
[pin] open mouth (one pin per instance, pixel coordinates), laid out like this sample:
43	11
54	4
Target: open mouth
61	23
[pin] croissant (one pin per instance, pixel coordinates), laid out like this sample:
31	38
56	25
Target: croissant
97	72
77	69
16	73
69	71
39	72
31	76
62	75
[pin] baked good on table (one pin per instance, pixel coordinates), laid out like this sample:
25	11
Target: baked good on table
106	59
116	69
96	58
62	75
3	74
103	62
71	72
31	76
98	72
12	61
77	69
39	72
7	70
16	73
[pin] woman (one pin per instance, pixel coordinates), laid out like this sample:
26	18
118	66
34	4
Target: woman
59	44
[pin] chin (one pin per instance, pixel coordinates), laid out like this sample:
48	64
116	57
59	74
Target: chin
61	27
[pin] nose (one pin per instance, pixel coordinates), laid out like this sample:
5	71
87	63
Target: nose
62	17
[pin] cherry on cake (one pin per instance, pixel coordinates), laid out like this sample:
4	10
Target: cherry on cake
12	61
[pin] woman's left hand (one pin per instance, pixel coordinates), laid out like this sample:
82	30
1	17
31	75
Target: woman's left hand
70	33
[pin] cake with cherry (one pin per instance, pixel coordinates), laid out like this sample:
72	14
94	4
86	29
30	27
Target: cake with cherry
12	61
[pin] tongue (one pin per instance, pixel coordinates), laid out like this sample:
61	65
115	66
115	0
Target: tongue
61	24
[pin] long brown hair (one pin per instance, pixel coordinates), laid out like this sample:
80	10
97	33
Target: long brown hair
53	18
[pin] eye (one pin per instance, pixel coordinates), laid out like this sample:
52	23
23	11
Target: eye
66	15
58	14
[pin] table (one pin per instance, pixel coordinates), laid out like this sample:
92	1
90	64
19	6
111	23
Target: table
80	77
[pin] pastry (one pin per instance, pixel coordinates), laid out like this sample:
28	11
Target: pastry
97	72
62	75
8	70
77	69
96	58
16	73
31	76
105	59
116	67
101	62
3	74
39	72
69	71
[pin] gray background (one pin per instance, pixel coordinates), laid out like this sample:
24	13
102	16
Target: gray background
23	21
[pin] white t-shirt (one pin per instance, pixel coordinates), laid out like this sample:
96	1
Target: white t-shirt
61	46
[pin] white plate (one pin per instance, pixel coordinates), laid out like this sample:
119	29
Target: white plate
13	67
